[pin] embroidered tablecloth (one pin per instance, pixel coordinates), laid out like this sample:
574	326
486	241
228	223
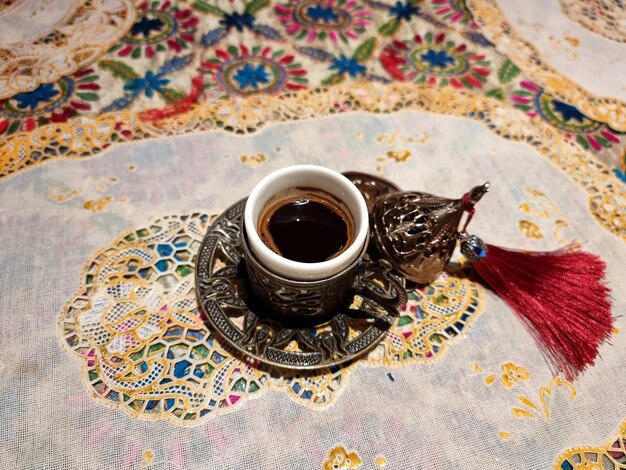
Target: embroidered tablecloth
110	177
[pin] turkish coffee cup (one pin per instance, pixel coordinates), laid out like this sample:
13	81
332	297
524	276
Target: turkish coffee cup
305	231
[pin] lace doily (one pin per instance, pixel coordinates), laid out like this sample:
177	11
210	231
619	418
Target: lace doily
45	41
604	17
135	326
499	31
611	456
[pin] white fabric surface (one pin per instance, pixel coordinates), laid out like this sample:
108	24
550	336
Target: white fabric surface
436	416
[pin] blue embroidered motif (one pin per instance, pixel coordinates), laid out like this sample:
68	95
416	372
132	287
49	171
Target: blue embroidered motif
350	66
249	76
437	58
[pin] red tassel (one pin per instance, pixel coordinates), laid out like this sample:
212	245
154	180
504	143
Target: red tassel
559	295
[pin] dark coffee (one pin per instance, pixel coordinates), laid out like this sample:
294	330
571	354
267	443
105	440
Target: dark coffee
309	227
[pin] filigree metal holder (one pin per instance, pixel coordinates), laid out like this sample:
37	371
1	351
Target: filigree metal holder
358	325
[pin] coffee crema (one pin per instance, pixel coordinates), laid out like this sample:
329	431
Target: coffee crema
306	225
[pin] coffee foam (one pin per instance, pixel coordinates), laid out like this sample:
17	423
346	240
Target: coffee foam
294	194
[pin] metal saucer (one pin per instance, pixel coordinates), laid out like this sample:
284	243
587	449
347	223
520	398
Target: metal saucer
357	327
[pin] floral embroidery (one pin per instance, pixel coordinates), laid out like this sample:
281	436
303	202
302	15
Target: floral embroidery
511	374
160	26
245	21
606	196
454	11
588	133
243	71
399	13
433	59
340	458
544	213
343	66
531	409
611	456
53	102
149	84
337	20
136	327
578	117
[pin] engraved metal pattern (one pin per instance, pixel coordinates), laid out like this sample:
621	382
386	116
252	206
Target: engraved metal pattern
371	187
303	301
222	294
472	247
417	232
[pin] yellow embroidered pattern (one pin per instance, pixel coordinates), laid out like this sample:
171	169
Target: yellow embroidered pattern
544	213
611	456
340	458
604	17
511	374
135	326
532	409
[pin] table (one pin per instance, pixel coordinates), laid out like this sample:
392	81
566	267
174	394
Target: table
111	172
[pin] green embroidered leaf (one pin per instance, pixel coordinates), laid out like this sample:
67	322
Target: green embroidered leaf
206	7
256	5
333	79
389	28
118	69
169	94
89	78
365	50
583	142
87	96
603	141
232	50
300	80
508	71
136	54
496	93
13	127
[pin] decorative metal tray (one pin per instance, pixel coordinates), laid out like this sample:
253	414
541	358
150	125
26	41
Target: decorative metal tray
222	295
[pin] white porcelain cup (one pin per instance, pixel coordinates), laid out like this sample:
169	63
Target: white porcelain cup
309	176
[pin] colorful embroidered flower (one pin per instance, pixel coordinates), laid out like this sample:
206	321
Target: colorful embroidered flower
335	19
43	93
345	66
148	85
399	12
160	26
575	125
340	458
511	374
237	21
151	83
433	59
54	102
245	21
454	11
243	72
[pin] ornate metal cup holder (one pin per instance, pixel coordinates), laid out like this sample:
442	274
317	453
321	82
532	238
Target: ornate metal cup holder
357	326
